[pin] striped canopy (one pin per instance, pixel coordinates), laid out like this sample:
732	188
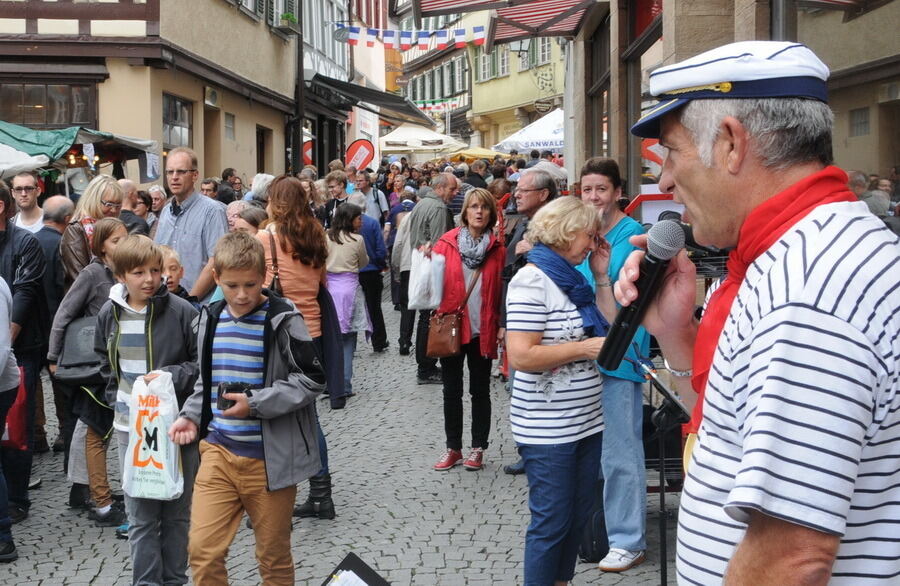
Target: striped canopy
513	20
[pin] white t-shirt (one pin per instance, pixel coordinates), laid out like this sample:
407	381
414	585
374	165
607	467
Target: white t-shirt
9	371
801	418
562	405
33	228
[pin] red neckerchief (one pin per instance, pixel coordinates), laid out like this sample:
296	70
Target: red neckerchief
765	225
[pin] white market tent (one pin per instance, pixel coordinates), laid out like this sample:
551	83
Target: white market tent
545	133
412	138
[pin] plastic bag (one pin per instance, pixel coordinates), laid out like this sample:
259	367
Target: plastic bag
152	467
426	281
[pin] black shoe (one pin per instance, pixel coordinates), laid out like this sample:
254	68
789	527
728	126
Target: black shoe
112	518
17	514
382	348
41	446
515	469
59	445
433	378
404	349
319	503
8	552
35	483
79	497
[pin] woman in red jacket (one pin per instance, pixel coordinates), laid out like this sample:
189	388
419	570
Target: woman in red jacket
472	253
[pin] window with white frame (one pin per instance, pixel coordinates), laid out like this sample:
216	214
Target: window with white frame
484	65
502	54
448	79
545	50
459	74
528	58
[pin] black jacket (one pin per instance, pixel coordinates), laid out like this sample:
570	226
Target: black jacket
22	266
54	280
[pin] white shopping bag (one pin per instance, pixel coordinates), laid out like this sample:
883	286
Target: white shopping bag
426	281
152	467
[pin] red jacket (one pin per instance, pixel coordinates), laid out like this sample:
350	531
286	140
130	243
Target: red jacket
455	286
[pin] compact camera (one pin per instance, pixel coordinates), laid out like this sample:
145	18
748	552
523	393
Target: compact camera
223	404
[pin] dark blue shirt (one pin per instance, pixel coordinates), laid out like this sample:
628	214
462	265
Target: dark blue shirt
371	233
404	206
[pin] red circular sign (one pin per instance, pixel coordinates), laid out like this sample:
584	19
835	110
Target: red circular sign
360	153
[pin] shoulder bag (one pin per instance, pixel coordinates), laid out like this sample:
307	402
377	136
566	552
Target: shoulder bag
444	329
275	285
78	363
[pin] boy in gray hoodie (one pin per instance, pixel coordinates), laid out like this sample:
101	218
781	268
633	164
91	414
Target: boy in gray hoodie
256	352
142	328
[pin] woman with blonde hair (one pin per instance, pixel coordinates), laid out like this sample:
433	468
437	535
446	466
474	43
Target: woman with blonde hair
554	334
102	199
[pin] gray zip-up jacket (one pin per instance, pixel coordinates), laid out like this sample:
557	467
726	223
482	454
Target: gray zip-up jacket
286	405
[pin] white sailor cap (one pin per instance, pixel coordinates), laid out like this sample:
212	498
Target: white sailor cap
749	69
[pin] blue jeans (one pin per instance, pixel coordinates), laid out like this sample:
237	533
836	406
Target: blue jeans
7	398
622	465
349	342
562	479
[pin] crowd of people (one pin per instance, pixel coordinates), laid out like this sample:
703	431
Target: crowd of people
253	303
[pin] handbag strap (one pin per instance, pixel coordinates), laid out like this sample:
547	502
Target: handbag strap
274	254
469	290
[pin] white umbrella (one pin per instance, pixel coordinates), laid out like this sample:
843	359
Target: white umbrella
411	138
545	133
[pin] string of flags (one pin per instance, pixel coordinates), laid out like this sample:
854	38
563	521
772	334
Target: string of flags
439	106
403	40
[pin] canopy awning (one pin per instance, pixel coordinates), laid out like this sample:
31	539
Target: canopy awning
24	149
512	20
545	133
389	106
411	138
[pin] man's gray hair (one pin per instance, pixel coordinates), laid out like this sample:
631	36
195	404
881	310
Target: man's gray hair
260	186
784	131
58	209
442	179
857	179
543	180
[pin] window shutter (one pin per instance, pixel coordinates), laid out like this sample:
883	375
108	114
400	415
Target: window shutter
260	8
270	12
291	7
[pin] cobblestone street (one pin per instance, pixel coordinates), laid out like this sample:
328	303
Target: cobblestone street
413	525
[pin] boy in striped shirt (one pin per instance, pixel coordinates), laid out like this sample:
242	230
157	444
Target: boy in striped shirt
257	450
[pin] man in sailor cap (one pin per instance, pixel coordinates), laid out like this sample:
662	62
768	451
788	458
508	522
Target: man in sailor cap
795	476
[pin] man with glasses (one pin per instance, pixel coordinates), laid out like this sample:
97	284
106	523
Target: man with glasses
191	224
26	191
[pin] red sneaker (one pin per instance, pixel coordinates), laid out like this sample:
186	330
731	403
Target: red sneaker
475	459
450	459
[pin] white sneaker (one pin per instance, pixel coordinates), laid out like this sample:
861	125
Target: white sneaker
619	560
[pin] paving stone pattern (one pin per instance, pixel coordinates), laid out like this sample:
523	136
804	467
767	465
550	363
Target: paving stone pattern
414	525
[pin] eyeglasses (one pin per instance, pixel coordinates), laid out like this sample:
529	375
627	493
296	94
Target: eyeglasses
178	172
28	189
111	205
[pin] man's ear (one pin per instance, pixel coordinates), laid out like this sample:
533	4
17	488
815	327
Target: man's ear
734	139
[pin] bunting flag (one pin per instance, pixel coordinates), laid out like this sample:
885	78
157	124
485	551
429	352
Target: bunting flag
441	39
405	40
390	39
394	39
460	35
478	35
353	39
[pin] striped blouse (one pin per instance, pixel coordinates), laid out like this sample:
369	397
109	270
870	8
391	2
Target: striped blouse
561	405
802	408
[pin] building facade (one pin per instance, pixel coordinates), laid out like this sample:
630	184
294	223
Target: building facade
140	68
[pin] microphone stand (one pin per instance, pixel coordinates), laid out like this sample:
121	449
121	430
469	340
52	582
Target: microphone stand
669	414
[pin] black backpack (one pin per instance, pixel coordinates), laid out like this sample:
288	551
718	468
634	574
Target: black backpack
594	542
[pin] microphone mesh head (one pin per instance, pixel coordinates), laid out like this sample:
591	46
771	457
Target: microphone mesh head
665	239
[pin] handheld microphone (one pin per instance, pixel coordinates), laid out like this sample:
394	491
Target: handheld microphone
664	240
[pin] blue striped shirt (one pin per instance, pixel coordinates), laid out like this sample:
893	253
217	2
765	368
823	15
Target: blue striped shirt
238	356
561	405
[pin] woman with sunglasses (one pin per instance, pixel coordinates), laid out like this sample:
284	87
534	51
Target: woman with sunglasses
102	199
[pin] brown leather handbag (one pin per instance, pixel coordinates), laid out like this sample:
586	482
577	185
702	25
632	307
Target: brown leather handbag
275	285
445	329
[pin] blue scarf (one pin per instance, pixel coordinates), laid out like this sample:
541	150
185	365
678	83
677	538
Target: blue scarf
574	285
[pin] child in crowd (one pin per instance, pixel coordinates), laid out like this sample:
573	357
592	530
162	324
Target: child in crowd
173	272
143	328
87	453
256	352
